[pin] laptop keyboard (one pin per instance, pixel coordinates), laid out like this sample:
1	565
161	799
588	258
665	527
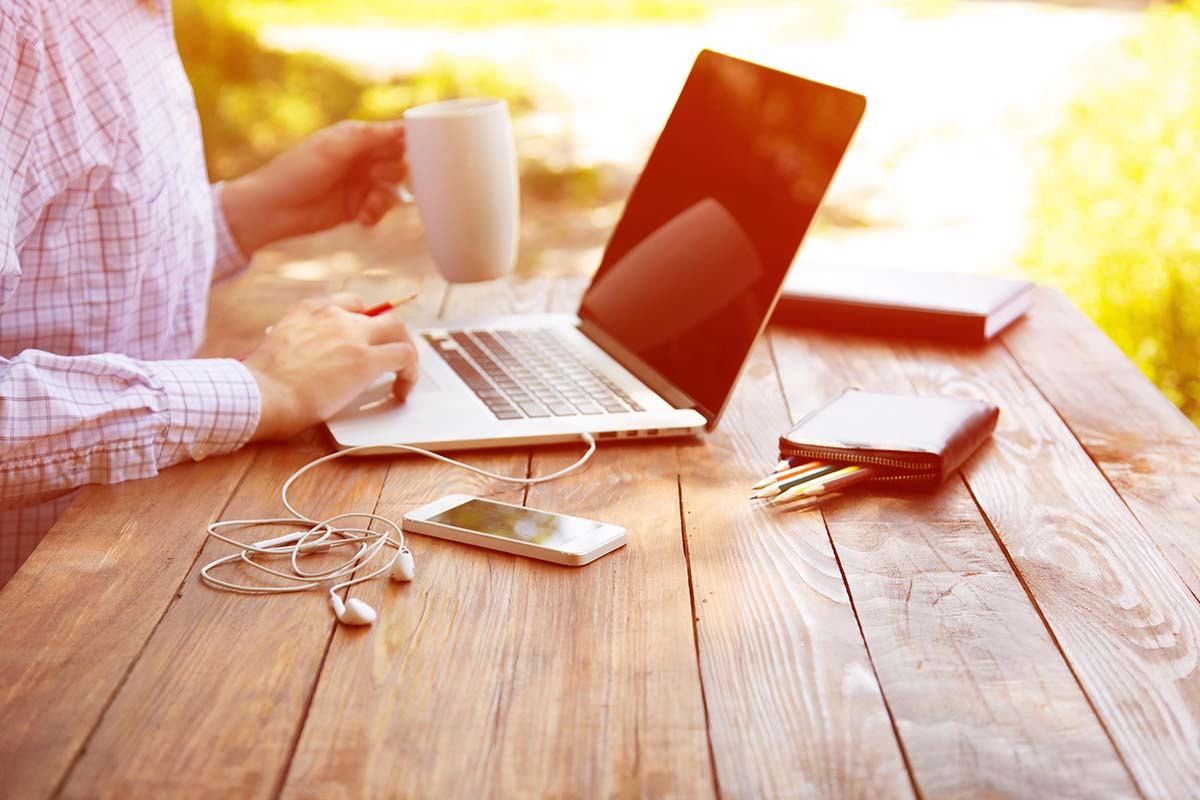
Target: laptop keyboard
529	372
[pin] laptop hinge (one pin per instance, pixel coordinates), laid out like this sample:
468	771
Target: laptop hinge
640	369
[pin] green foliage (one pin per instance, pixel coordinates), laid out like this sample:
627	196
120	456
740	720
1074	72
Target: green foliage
255	102
1117	219
463	13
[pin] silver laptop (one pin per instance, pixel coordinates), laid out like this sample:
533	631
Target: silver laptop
684	289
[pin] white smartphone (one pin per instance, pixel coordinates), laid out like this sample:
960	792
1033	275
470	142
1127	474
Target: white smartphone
573	541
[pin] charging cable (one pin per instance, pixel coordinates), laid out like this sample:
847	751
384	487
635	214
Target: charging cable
322	536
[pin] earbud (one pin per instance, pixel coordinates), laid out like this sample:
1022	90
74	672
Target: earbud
402	568
352	612
326	536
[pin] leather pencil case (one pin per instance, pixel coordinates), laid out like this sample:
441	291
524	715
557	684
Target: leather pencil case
910	441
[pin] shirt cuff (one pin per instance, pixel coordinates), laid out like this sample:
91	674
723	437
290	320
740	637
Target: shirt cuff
213	407
230	259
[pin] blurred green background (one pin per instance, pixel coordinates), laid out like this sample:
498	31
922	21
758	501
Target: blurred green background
1117	208
1107	205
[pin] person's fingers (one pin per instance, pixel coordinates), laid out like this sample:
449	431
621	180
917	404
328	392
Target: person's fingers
387	328
401	358
403	385
355	195
406	379
377	203
388	171
346	300
349	139
393	148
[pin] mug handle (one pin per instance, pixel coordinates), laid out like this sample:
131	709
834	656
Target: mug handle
402	192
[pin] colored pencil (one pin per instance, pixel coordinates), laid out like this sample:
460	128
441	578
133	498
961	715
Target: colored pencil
837	480
804	503
795	491
837	484
779	487
788	463
776	477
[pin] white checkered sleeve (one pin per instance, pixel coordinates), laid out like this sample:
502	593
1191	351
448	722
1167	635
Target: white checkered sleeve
213	407
66	421
231	261
110	237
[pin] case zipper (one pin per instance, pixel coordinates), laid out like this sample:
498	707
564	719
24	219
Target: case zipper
831	454
909	474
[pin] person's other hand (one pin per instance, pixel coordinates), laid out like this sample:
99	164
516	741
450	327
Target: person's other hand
320	356
338	174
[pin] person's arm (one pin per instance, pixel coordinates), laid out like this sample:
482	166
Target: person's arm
66	421
339	174
230	260
70	420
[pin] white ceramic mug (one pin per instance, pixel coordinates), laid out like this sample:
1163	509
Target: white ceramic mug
462	165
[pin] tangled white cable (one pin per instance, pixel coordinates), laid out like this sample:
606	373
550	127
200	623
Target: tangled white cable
323	535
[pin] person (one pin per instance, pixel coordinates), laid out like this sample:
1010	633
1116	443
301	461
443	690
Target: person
110	237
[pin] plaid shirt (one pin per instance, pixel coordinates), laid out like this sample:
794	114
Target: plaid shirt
110	236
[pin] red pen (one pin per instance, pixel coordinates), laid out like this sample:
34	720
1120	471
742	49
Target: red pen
373	311
383	308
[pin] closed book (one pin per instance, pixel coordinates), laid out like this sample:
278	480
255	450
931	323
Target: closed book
968	309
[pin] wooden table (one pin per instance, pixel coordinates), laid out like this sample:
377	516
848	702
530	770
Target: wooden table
1031	629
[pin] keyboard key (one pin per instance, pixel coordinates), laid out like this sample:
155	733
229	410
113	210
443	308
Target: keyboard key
468	373
533	409
533	369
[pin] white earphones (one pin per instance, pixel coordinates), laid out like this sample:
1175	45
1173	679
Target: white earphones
322	536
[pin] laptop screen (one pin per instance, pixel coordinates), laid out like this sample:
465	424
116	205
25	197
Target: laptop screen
696	262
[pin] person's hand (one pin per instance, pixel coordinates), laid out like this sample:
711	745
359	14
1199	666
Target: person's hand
338	174
320	356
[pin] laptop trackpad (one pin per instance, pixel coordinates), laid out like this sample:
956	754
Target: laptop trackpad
431	406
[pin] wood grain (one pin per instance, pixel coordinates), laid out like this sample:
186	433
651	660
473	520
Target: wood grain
1125	620
794	706
1141	442
412	706
983	700
491	675
215	702
617	640
78	612
216	699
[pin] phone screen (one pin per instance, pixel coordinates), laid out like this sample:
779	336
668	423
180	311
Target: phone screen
521	524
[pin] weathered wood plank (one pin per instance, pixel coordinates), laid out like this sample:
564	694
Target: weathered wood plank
1142	442
216	700
1120	613
982	698
78	612
412	704
618	640
793	703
